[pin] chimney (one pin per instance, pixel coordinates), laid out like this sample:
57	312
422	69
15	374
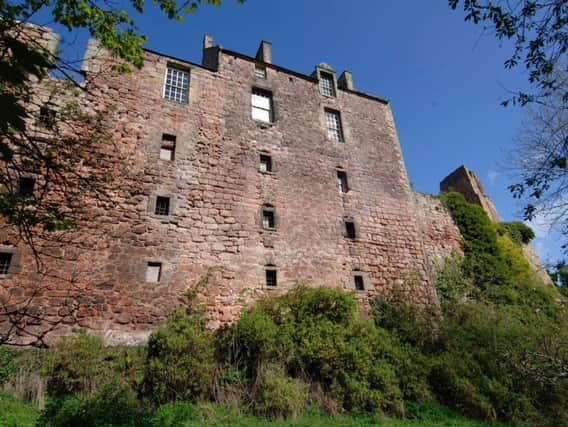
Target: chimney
264	53
346	81
207	41
211	54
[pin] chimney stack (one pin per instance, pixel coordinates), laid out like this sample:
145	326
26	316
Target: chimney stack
207	41
264	53
346	81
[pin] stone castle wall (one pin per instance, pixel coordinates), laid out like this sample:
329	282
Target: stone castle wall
96	276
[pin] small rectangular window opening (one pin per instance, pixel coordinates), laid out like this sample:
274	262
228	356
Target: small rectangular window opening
261	102
327	86
260	71
342	182
271	278
176	85
350	229
333	125
5	261
265	163
359	283
162	206
168	147
26	186
153	272
268	219
47	116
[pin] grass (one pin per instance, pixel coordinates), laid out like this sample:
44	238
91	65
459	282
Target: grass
15	413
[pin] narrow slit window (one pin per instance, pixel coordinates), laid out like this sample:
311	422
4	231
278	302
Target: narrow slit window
342	182
359	282
268	220
153	272
168	147
261	102
265	163
271	277
260	71
350	229
327	86
176	85
333	125
162	206
5	261
26	186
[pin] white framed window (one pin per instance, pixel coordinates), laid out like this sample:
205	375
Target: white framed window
333	125
153	272
261	102
326	84
268	219
176	85
342	181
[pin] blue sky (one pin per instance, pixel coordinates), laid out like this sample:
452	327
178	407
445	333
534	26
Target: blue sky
443	76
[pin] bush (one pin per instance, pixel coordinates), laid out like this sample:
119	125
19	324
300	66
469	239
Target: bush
114	404
8	365
518	232
278	395
15	413
75	365
180	360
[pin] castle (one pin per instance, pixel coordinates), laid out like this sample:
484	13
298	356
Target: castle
233	179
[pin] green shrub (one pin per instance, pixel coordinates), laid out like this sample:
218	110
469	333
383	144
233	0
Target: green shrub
518	232
75	365
278	395
180	360
8	364
114	404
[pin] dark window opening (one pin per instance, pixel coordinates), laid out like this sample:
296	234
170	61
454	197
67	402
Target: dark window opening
271	278
342	182
349	229
47	116
268	220
26	186
265	163
5	261
168	147
359	283
162	206
153	272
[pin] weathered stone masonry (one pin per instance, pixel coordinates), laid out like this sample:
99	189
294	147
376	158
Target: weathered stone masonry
217	193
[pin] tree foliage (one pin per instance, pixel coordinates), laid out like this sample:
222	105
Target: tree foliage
538	30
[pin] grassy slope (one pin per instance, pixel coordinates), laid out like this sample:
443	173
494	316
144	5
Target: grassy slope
14	413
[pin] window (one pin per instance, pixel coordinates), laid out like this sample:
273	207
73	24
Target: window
47	116
176	86
342	182
350	229
260	71
162	205
168	147
359	282
268	221
265	164
153	272
5	261
271	276
26	186
333	124
261	105
326	84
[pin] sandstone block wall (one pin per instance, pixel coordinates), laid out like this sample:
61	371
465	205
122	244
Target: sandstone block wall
96	276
